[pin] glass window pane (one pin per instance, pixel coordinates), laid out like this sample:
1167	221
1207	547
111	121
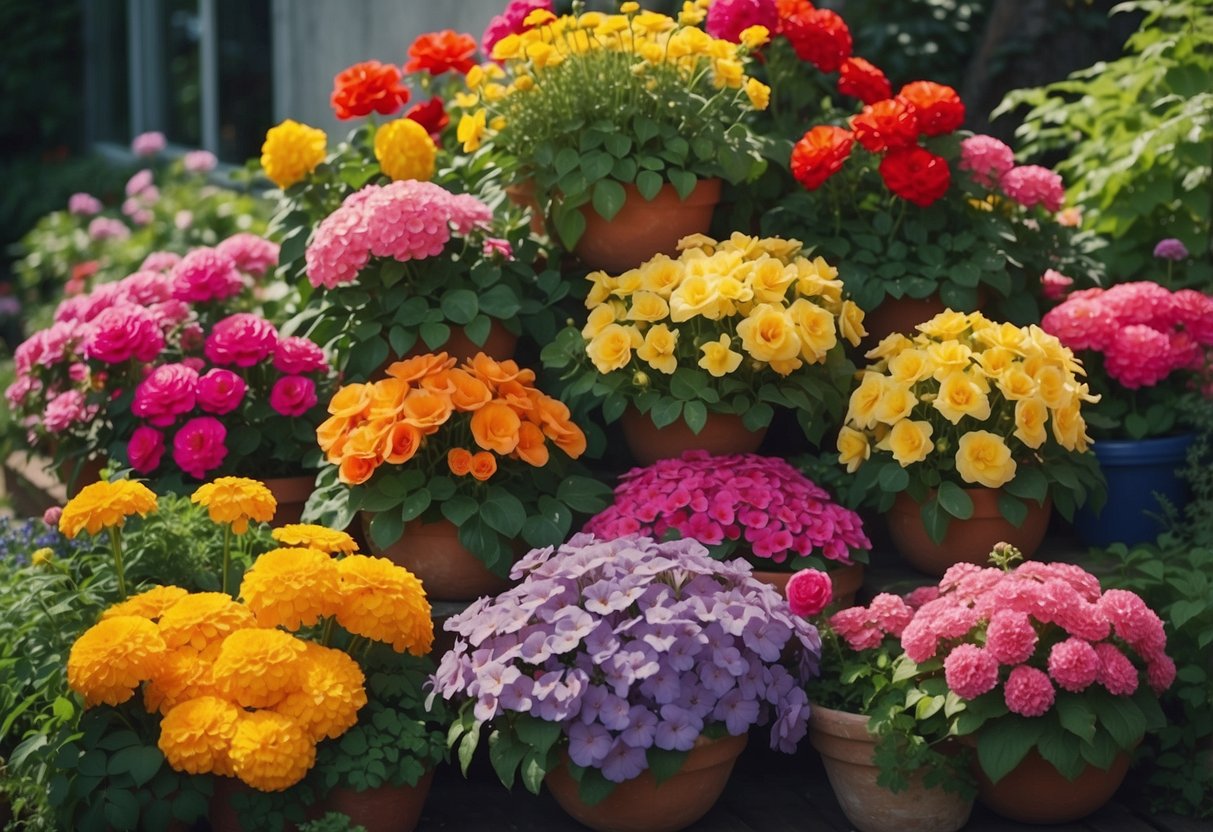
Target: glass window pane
181	86
245	81
109	70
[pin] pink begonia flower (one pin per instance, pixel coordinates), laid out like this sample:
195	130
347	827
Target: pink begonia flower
809	591
107	228
1055	284
1116	673
243	340
148	144
295	355
166	393
145	449
1032	185
986	158
220	391
727	19
1074	664
121	333
160	261
65	410
970	671
198	447
293	395
199	161
138	183
252	255
204	275
83	205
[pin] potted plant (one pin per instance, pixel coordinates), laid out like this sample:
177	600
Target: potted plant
616	119
779	521
966	434
1146	349
696	352
882	733
451	466
1057	680
609	675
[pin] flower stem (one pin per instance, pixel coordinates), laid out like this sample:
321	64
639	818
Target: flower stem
227	556
327	633
119	569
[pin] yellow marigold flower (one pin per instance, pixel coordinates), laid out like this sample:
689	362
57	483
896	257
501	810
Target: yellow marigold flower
291	151
112	657
611	349
909	441
471	130
102	505
236	500
150	605
257	668
332	694
658	348
753	37
42	557
271	752
853	449
983	458
718	357
405	150
202	620
291	588
313	536
758	93
196	736
183	674
385	602
960	396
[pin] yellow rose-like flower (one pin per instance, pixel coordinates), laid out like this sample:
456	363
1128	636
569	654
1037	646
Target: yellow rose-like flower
1015	384
865	399
696	296
112	657
291	151
896	402
1052	386
960	396
196	736
103	505
270	752
42	556
312	536
1069	428
769	279
611	349
718	357
946	325
983	458
853	449
1005	335
599	319
202	620
150	605
661	275
471	129
257	668
658	348
909	441
889	346
850	323
949	357
649	307
405	150
1030	417
182	674
291	588
332	694
236	500
758	92
601	287
817	278
997	361
385	602
768	334
910	367
815	328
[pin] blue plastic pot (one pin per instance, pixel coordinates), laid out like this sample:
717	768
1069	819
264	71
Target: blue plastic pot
1136	469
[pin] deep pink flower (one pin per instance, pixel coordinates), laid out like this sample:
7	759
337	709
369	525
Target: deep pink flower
107	228
1161	673
1116	672
1133	621
166	393
1074	664
1032	185
204	275
1080	323
252	254
139	183
510	21
220	391
65	410
293	395
809	591
145	449
854	626
198	448
1138	356
1055	284
727	19
295	355
51	516
243	339
160	261
1028	692
121	333
986	158
970	671
890	613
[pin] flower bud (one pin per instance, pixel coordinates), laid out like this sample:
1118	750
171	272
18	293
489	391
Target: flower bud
640	378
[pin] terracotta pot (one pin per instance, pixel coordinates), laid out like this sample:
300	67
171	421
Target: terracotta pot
899	315
1035	792
222	815
644	228
499	344
845	580
723	433
522	194
846	748
966	540
77	473
641	805
291	494
433	553
385	809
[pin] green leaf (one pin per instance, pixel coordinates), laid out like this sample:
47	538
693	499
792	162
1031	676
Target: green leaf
386	528
549	527
1119	716
459	509
597	165
467	747
592	787
1013	509
402	339
414	504
537	733
460	306
533	771
649	184
478	330
608	198
503	512
619	144
758	416
435	334
934	519
140	762
893	478
683	181
583	494
695	414
1076	716
500	301
570	225
954	500
1062	750
665	412
505	753
665	764
1002	745
121	809
1029	483
566	160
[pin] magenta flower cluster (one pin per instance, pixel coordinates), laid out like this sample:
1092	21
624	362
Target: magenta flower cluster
630	644
727	19
1032	630
991	163
406	220
511	21
1143	331
744	500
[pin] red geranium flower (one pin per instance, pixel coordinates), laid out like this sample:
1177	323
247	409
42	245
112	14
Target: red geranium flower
366	87
886	124
439	52
819	36
859	79
431	115
820	154
938	107
916	174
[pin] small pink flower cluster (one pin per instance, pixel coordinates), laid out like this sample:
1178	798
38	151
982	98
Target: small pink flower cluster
992	163
1143	331
727	19
778	511
864	628
1047	625
406	220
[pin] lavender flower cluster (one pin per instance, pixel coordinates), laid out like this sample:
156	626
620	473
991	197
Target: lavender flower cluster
20	538
631	644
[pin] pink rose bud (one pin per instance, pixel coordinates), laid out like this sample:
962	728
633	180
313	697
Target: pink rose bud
809	592
51	516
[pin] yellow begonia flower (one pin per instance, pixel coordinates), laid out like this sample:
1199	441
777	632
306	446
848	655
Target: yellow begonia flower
949	357
727	73
758	93
753	37
960	396
524	83
910	367
611	349
696	297
850	323
909	441
105	505
861	410
996	361
475	75
769	279
815	327
236	501
648	307
1069	428
946	325
658	349
661	276
291	151
1052	386
718	359
853	449
1030	417
466	100
768	334
600	318
896	402
1015	384
889	346
471	130
405	150
983	458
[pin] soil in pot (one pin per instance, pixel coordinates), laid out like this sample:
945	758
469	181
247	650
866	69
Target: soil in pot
447	570
385	809
1036	792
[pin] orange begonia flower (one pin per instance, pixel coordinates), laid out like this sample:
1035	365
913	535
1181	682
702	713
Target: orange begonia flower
532	449
356	470
470	393
495	427
351	400
420	366
331	435
484	465
459	460
403	442
426	411
498	372
387	398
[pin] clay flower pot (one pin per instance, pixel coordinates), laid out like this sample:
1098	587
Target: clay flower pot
846	748
77	473
723	433
643	228
385	809
899	315
845	580
291	494
432	552
1035	792
641	805
966	540
500	344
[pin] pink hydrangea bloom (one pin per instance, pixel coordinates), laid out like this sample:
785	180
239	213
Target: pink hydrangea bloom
890	613
1160	672
727	19
166	393
220	391
986	158
921	595
107	228
1028	692
970	671
83	205
243	339
295	355
145	449
1133	621
138	183
198	447
160	261
1032	185
204	275
1010	637
65	410
1074	664
121	333
199	161
293	395
1116	672
854	626
1055	284
1138	356
1080	323
252	254
148	144
510	22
